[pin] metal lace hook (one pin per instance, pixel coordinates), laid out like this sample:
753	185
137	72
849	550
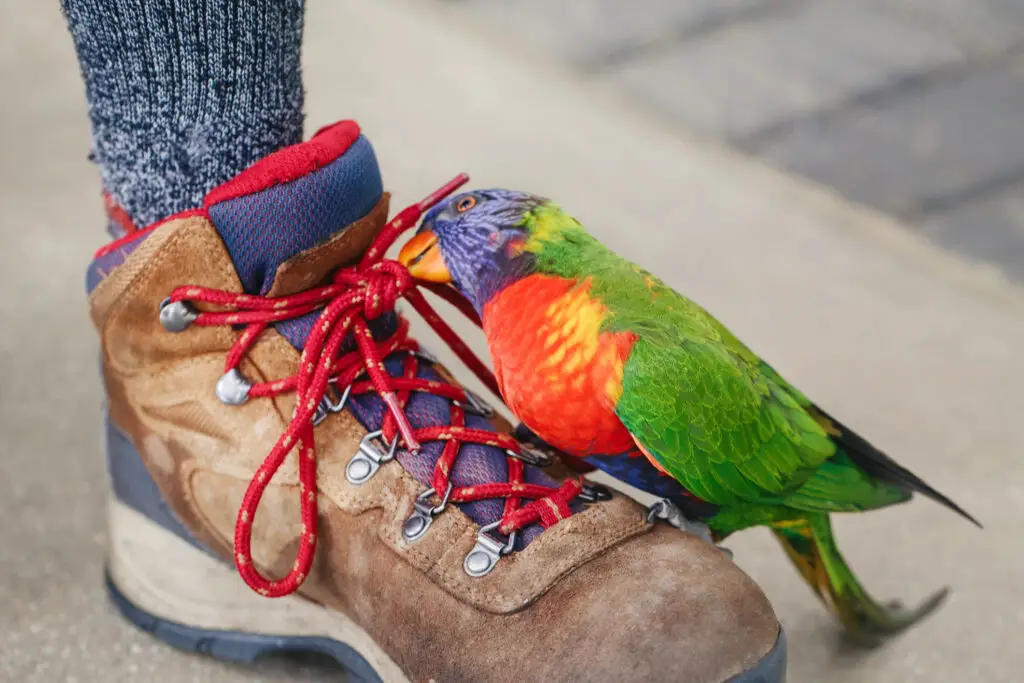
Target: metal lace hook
531	456
488	550
423	513
475	405
327	406
370	456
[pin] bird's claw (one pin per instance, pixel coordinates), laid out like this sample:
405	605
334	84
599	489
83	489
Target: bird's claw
670	513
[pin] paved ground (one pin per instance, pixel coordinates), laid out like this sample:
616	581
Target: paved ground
911	106
916	349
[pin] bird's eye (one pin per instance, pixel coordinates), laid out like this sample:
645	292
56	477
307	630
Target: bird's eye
466	203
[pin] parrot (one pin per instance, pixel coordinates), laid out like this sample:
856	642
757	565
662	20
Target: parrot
604	363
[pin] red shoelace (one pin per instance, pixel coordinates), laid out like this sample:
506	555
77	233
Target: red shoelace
356	295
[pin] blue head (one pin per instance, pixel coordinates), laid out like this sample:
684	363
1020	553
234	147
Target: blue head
475	241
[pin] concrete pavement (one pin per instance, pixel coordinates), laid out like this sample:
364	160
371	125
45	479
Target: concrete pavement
911	346
911	106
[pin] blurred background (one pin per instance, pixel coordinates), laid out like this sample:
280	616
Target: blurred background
842	183
915	107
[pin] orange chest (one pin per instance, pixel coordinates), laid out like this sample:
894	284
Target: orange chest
558	372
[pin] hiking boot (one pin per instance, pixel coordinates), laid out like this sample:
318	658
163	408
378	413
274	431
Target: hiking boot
292	472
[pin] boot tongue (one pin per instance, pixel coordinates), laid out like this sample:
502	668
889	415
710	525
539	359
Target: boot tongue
297	214
278	217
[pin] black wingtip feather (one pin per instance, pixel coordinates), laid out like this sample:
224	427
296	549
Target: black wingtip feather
879	465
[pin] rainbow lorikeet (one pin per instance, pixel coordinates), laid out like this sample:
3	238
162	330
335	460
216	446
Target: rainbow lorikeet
604	362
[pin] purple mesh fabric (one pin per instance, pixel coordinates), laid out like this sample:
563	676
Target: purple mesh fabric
297	330
263	230
476	464
105	264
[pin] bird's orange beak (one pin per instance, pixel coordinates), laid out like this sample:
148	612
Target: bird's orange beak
422	256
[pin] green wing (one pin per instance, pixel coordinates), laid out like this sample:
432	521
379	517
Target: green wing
722	421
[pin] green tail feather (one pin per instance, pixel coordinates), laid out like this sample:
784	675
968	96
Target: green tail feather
811	546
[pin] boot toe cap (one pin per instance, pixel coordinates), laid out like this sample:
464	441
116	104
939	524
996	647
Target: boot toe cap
668	607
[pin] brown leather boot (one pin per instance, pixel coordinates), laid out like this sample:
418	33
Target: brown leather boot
259	388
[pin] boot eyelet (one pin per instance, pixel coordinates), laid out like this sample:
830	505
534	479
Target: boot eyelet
425	356
372	453
233	388
423	514
177	316
477	406
593	492
329	404
531	456
484	556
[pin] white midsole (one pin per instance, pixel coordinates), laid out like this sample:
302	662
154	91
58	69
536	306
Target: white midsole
167	577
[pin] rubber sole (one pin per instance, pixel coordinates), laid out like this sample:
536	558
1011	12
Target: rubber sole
236	646
181	595
247	648
193	601
771	668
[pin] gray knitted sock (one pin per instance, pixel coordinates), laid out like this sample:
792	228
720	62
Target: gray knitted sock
184	94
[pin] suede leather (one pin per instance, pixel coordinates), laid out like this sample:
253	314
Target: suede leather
310	267
601	596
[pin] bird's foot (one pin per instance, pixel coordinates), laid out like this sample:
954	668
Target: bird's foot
670	513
